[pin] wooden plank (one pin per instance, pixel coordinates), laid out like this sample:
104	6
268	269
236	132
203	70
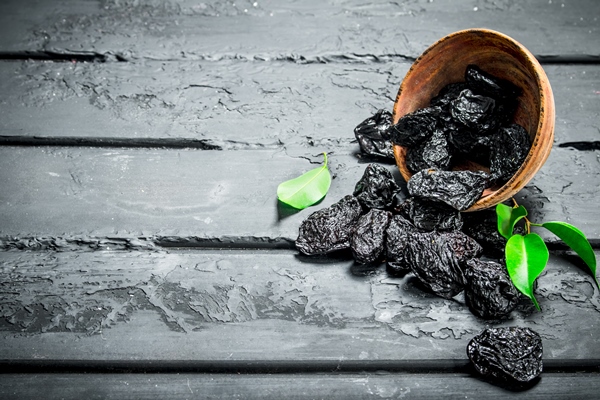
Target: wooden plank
310	31
261	305
83	194
235	104
329	386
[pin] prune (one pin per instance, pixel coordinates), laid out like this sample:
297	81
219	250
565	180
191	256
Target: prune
433	153
434	262
489	85
475	112
373	136
511	354
415	127
464	247
458	189
483	227
329	229
368	239
430	215
470	145
489	292
447	94
511	146
377	188
502	91
396	239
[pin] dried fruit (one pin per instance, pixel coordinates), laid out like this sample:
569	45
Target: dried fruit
483	227
511	354
489	85
433	153
464	246
511	146
377	188
431	215
433	260
397	236
329	229
373	136
448	93
459	189
489	292
475	112
368	239
470	145
415	127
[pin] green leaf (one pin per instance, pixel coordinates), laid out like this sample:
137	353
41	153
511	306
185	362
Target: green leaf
526	258
576	240
508	217
307	189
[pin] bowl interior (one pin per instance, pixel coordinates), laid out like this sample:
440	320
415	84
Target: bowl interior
446	61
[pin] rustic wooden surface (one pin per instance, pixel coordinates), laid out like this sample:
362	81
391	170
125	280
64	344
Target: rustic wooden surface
143	253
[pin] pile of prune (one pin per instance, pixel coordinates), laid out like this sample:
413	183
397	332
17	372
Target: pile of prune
425	233
468	121
420	234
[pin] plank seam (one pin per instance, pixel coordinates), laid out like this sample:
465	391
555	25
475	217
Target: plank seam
441	366
330	58
157	243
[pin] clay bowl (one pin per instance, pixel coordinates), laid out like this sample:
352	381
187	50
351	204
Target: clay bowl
445	62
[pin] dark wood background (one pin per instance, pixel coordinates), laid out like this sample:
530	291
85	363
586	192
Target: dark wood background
143	251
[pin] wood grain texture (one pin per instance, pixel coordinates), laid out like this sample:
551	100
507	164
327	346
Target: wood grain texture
311	31
236	105
288	386
261	305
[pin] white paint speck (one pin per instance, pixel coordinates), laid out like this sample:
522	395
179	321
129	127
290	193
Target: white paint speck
53	174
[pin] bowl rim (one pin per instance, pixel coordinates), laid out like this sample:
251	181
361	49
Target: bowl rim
541	146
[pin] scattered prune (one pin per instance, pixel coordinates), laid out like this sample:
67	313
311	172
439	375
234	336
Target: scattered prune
415	127
431	215
373	136
377	188
433	153
397	236
511	146
475	112
434	262
459	189
511	354
489	292
329	229
368	239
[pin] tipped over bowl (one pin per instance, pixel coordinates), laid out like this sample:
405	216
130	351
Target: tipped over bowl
445	62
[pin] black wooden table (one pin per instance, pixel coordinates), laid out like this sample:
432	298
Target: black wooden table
144	253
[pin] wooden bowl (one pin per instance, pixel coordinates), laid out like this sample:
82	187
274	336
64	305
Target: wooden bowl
445	62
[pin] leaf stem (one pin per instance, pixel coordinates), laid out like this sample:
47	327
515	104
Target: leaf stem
528	223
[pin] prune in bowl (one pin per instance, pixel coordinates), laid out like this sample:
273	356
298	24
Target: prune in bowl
446	61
